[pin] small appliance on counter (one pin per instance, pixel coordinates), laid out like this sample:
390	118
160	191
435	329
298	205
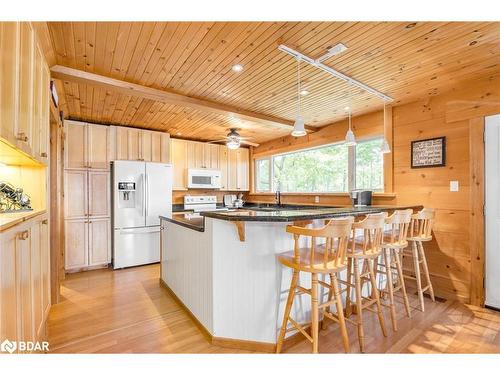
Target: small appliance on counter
233	200
13	199
361	198
201	203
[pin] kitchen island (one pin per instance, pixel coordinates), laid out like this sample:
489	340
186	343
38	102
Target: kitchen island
222	266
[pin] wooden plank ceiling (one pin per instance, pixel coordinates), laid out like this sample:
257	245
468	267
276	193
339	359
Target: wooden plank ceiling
407	61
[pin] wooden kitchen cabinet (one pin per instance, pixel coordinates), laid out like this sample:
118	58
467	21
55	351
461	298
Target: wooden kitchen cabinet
25	280
98	147
164	147
9	80
211	156
8	288
236	168
24	90
146	146
27	94
99	242
88	243
76	244
75	194
195	155
178	152
99	194
224	167
121	141
242	165
87	146
75	154
134	147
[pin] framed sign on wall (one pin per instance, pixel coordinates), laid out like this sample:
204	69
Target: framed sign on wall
428	153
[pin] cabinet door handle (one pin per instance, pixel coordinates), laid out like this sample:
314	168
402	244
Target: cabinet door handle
22	137
45	221
43	154
24	235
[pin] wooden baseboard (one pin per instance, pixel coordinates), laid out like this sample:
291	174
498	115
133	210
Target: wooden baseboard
256	346
91	268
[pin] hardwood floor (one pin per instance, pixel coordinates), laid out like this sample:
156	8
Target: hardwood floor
127	311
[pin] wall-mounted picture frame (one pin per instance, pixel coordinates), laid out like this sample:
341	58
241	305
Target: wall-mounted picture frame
428	153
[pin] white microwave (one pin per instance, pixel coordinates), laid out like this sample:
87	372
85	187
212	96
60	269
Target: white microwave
204	178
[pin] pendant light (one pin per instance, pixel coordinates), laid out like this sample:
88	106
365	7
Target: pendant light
385	145
298	126
350	139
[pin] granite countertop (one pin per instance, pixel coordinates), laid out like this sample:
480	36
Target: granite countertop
271	214
290	215
187	219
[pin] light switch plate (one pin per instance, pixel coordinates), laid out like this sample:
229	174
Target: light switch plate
454	186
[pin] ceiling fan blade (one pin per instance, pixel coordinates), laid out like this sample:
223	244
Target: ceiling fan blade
218	140
250	143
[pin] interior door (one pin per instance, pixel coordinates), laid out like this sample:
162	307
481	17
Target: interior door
129	213
158	192
492	184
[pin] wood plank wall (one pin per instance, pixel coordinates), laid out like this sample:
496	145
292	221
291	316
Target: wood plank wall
454	114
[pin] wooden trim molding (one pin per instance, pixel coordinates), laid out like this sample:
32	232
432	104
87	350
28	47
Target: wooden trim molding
389	157
240	227
127	88
477	222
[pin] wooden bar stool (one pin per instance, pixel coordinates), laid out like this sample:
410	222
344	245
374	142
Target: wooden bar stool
365	249
421	231
395	240
330	259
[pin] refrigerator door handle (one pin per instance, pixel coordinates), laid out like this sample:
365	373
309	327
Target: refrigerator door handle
146	193
143	195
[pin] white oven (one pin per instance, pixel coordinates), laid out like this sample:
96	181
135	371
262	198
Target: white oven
204	178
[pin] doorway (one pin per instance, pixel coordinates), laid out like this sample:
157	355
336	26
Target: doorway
492	210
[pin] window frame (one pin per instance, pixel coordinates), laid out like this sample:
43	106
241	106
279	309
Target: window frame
351	168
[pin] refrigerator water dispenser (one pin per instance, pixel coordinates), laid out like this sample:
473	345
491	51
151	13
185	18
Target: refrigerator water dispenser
126	194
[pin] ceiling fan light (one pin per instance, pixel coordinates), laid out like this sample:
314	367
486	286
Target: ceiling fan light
350	139
386	149
233	144
298	127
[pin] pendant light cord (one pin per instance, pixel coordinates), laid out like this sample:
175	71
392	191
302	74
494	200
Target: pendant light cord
299	104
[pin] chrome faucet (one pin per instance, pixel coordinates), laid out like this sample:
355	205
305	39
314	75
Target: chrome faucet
277	197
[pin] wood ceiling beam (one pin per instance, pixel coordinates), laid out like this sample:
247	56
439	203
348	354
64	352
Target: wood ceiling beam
127	88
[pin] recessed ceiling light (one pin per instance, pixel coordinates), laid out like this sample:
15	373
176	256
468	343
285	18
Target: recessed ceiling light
237	68
304	92
346	108
179	133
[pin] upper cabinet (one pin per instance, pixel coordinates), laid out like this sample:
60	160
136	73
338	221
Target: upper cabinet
87	146
178	157
24	90
233	164
143	145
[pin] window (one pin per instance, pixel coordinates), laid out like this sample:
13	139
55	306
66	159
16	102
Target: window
370	165
263	175
327	169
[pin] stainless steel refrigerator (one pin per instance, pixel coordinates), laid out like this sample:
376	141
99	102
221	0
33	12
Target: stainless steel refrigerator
141	192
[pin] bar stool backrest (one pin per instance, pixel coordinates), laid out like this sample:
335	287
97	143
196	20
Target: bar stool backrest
399	223
336	232
372	228
421	224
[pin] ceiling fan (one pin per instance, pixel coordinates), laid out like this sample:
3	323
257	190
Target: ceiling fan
233	140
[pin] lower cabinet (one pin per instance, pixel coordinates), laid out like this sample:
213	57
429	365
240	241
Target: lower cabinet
87	243
25	280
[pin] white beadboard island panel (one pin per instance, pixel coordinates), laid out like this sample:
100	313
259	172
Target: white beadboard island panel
187	268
